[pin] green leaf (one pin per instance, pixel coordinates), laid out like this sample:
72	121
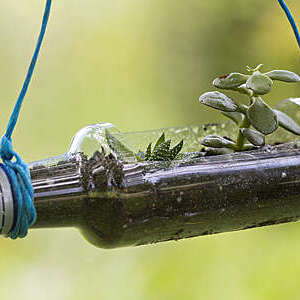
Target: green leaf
262	117
287	123
282	75
161	153
253	136
219	101
219	151
121	151
290	103
175	150
216	141
159	141
230	81
236	117
291	107
259	83
148	152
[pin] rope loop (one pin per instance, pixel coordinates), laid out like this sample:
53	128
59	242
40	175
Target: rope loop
17	170
6	149
22	189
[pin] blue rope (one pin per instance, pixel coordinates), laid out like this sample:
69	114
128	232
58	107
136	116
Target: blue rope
18	171
291	20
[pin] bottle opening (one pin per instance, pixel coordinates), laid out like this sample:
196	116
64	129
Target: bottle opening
7	206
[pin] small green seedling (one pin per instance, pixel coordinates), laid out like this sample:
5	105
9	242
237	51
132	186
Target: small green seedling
161	150
255	120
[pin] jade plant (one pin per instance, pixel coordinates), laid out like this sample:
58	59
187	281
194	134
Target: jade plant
257	119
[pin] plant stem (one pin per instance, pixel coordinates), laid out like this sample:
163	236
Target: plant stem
241	139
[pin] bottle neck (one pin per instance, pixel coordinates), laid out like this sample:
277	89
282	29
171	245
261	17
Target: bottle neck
59	191
7	207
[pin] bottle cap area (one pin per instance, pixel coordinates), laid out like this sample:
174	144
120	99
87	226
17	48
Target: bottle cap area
6	202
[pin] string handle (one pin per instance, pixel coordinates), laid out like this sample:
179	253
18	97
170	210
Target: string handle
291	20
17	170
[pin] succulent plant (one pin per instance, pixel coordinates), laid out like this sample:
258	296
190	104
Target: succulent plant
161	150
255	120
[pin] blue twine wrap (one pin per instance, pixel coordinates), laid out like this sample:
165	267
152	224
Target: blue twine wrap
17	170
291	20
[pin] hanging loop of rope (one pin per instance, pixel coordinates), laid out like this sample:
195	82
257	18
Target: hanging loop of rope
14	166
291	20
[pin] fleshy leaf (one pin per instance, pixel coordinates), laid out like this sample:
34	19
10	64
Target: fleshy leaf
219	151
285	102
259	83
230	81
282	75
219	101
262	117
216	141
286	122
291	107
253	136
236	117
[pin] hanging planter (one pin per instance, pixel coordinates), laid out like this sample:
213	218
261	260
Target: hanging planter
129	189
103	188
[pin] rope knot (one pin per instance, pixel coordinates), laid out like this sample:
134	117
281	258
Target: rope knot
6	149
22	189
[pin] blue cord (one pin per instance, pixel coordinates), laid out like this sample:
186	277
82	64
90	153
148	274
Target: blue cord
18	171
291	20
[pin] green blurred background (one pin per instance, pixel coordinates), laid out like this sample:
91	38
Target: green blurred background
140	64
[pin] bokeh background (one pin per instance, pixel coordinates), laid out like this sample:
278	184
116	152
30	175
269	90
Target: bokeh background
140	64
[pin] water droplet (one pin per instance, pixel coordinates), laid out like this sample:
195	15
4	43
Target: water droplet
283	175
